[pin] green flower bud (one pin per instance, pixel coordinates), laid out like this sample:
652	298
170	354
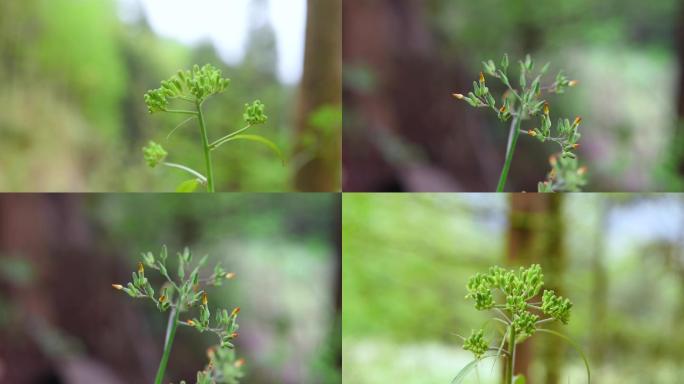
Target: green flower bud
476	343
254	113
524	323
154	154
556	306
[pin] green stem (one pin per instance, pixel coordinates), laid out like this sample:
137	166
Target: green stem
510	363
207	149
170	334
510	150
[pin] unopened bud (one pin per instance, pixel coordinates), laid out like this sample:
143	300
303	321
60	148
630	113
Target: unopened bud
162	298
578	121
575	146
582	171
234	335
230	275
117	286
239	363
141	268
235	312
553	161
205	299
458	96
546	108
482	78
190	323
532	133
502	109
572	83
210	353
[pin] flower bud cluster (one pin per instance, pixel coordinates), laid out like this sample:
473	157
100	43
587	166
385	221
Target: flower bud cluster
154	154
198	82
476	343
517	288
565	176
556	306
254	113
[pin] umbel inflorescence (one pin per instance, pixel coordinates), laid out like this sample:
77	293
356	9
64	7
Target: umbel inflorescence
513	296
523	102
191	89
181	295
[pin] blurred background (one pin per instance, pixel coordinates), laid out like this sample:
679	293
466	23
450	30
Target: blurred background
404	58
61	321
618	258
73	76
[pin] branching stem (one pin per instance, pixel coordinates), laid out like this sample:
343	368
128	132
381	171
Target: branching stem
206	147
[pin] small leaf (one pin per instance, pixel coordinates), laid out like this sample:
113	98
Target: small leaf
519	379
188	186
260	139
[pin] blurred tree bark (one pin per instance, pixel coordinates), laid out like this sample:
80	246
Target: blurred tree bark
321	87
535	235
679	130
67	311
403	131
599	288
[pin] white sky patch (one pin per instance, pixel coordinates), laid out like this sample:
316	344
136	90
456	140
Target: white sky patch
225	23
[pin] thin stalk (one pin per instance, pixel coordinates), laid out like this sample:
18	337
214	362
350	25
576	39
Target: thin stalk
170	334
227	138
510	358
187	169
510	150
206	147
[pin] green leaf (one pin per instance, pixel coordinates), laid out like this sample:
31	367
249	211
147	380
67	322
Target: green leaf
467	369
572	344
260	139
188	186
519	379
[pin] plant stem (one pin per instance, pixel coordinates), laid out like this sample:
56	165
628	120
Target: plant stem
207	148
510	150
170	334
510	358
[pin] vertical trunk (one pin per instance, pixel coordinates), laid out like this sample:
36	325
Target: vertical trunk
69	295
321	87
599	288
554	264
679	131
535	235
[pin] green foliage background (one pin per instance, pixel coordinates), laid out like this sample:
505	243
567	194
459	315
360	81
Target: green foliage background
407	259
73	76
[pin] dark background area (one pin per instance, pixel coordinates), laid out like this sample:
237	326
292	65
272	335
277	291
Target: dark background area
404	58
61	321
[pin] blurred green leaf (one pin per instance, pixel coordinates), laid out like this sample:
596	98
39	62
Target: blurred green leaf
188	186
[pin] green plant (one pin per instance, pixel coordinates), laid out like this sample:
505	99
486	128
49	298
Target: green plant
194	88
520	104
513	296
183	295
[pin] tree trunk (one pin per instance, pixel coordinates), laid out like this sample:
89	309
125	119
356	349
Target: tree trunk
599	289
321	87
679	126
535	235
69	297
